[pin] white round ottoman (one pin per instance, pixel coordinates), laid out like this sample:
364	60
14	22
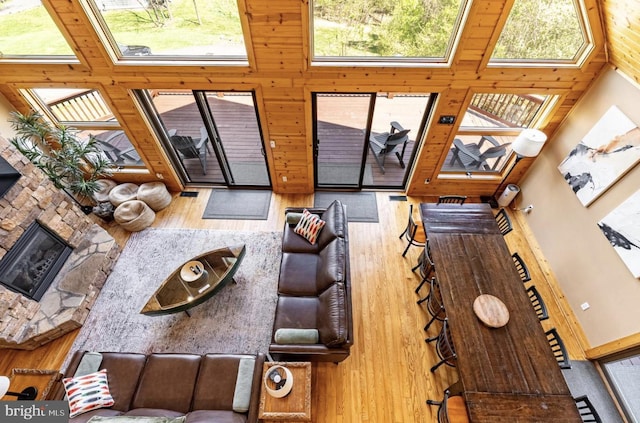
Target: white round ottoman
134	215
123	192
155	194
104	188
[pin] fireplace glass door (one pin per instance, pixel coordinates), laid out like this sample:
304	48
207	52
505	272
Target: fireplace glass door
32	263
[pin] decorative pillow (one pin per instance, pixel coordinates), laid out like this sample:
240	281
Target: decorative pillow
89	392
136	419
309	226
296	336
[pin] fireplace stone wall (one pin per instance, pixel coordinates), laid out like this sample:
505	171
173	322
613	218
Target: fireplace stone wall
25	323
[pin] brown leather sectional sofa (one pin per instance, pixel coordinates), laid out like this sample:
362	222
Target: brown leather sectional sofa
314	290
202	387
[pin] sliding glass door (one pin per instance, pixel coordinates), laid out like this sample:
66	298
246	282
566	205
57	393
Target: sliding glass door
367	140
213	137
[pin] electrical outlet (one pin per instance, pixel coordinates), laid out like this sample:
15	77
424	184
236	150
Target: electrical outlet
272	143
528	209
584	306
284	179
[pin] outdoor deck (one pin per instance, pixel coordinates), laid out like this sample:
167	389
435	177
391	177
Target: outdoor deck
340	131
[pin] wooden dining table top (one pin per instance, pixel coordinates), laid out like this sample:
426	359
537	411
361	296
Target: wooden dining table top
497	366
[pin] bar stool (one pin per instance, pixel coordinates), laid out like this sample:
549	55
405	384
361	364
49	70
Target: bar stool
452	408
435	307
426	266
413	233
444	347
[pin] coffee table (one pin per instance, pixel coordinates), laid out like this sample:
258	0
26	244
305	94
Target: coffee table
294	407
195	281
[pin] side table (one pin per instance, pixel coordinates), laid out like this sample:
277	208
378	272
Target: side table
42	380
295	407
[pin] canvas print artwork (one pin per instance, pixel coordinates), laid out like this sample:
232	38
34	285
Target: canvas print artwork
607	151
622	229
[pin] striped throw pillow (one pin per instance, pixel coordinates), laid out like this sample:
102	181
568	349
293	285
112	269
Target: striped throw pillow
89	392
309	226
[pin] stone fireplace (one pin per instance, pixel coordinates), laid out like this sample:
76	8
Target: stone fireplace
34	261
26	323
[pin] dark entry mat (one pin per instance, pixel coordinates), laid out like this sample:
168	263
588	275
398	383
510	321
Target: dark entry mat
238	205
361	206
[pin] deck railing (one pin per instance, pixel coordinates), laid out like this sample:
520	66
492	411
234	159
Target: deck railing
511	110
86	106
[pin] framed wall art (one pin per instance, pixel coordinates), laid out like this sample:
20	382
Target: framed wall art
608	151
622	229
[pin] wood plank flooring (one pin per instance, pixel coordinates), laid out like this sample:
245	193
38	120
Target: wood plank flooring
386	378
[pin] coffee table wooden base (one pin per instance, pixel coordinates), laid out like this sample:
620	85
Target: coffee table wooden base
295	407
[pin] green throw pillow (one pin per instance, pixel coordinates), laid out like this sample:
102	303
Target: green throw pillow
293	218
296	336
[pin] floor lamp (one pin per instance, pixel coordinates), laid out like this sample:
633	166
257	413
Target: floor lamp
527	144
27	394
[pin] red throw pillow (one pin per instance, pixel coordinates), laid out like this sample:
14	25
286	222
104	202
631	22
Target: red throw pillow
309	226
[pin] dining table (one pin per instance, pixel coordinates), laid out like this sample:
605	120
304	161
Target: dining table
506	367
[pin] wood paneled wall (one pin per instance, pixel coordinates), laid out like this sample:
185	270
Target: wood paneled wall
277	36
622	28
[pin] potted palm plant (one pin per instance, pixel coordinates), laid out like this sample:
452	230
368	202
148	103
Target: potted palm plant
72	164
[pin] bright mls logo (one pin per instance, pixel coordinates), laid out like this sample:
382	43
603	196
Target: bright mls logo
34	411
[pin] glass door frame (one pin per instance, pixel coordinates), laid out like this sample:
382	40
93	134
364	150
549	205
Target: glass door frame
215	141
410	160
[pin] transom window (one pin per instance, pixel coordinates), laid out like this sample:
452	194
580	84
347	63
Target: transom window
385	29
86	110
178	28
27	31
543	30
491	123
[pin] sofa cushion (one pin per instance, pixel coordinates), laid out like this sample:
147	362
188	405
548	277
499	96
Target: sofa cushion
309	226
124	372
137	419
298	274
295	312
296	336
332	324
167	381
215	416
335	224
331	265
153	412
216	382
294	243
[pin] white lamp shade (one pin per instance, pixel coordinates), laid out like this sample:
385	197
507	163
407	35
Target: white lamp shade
4	385
529	143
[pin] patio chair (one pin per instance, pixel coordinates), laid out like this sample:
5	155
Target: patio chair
388	142
190	149
118	156
472	157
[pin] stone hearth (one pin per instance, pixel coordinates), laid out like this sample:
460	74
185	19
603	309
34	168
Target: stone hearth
25	323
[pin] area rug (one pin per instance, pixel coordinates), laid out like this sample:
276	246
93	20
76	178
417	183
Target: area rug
583	379
238	319
342	173
361	206
238	204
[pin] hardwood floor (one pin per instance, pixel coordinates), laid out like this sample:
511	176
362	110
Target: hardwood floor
386	378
